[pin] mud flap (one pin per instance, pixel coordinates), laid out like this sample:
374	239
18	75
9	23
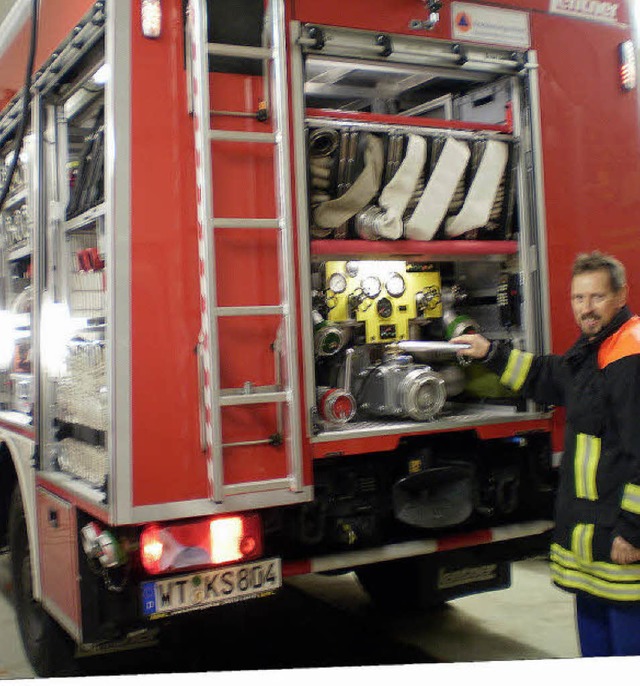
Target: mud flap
436	497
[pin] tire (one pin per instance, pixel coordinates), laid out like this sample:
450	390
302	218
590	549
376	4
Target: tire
399	586
47	647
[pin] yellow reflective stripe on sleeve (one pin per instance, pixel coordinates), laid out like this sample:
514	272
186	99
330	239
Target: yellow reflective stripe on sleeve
517	369
585	462
580	581
631	499
582	542
607	571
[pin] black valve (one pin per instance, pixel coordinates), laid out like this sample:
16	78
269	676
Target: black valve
262	113
384	41
461	52
316	35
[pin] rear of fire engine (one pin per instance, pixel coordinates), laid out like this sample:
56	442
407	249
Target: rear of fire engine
235	248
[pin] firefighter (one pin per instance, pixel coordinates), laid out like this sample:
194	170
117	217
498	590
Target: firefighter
596	541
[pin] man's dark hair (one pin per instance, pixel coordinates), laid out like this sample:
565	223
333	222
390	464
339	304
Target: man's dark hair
597	261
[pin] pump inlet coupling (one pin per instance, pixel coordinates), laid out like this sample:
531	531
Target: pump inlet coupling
337	406
399	388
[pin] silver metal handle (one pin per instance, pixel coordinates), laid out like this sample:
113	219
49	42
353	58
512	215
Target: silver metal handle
347	369
428	347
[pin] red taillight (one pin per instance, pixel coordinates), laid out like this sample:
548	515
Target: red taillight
151	549
627	58
232	539
217	540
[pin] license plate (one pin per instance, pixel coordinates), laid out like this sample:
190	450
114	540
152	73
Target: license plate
212	587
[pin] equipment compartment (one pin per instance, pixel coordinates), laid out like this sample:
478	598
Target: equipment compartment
418	231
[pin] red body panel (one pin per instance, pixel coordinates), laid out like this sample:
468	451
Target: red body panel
58	555
168	463
393	16
380	444
590	141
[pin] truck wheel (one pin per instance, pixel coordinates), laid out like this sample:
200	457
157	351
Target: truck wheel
48	648
398	586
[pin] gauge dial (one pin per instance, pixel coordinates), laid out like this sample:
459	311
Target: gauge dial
384	307
371	286
395	285
352	268
337	282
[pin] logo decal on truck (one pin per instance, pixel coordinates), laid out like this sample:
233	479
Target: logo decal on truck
490	25
593	10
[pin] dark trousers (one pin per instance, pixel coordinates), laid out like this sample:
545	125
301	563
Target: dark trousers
606	629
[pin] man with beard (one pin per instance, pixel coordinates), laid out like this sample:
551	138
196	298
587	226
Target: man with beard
596	540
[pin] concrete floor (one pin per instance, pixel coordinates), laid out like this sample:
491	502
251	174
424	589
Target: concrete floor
530	621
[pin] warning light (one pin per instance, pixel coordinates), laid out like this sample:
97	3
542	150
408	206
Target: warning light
627	58
151	18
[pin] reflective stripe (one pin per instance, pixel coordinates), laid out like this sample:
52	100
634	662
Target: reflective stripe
586	460
581	542
607	571
631	499
603	589
517	369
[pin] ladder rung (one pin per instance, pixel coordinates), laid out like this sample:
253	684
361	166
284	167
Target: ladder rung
248	51
241	136
250	310
239	223
241	398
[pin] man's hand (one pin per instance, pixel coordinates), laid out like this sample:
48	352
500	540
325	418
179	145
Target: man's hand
623	553
479	345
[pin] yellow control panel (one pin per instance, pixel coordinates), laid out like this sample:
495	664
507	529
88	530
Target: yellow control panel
384	295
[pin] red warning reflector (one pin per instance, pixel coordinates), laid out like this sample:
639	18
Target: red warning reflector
628	72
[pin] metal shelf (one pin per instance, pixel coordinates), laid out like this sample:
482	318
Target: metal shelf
82	220
19	253
423	250
15	199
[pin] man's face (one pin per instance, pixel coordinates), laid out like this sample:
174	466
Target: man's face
594	302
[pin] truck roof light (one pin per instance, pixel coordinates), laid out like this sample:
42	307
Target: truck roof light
627	56
151	18
201	543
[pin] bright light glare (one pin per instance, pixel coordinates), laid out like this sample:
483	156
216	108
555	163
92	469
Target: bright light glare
153	551
380	268
102	75
7	338
226	535
151	18
57	331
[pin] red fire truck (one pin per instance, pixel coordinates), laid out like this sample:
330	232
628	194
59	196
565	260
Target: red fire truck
237	239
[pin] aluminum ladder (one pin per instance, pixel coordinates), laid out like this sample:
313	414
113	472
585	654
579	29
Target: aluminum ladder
285	394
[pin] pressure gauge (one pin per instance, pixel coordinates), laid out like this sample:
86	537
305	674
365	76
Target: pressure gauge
384	308
371	286
352	268
337	283
395	285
